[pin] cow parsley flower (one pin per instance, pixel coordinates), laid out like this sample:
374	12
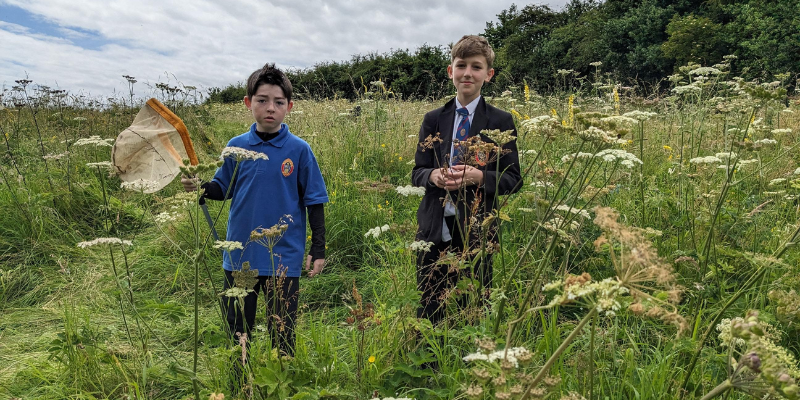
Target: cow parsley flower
104	240
577	211
581	155
55	156
595	134
240	154
166	217
705	160
776	181
228	245
376	231
620	119
725	336
639	115
95	140
726	156
541	125
410	190
612	155
690	88
101	164
705	71
542	184
140	185
421	245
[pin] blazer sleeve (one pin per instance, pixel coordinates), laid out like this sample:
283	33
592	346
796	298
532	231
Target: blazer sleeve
509	178
425	160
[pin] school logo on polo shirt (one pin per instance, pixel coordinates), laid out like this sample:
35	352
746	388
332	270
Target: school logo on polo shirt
287	167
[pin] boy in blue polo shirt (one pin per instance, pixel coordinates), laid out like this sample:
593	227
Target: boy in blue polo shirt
276	184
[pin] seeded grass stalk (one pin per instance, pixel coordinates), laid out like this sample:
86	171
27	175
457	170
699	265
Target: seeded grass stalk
10	154
23	210
641	172
33	111
60	106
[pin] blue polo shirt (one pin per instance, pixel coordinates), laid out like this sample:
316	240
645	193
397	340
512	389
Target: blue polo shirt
263	191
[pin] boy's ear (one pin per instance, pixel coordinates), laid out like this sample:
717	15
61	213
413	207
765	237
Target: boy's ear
247	102
489	74
289	106
450	71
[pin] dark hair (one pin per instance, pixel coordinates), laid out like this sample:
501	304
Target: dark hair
473	45
269	75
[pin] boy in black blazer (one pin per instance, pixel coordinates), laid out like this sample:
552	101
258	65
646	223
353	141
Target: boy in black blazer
460	183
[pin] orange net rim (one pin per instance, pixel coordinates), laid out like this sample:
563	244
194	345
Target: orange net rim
176	122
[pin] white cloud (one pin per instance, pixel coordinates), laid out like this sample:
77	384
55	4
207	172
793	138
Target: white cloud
208	43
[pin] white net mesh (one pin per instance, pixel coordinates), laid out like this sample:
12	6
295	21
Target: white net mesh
153	147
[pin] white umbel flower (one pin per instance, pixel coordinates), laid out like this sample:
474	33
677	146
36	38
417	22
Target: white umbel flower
376	231
240	154
705	160
105	240
228	245
613	155
95	140
420	245
410	190
140	185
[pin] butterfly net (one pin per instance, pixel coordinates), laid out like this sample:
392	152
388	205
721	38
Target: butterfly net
153	147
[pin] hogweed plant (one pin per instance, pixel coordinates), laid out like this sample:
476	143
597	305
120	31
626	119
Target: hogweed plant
757	365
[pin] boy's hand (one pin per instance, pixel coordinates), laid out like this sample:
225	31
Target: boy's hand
462	175
437	177
318	265
189	183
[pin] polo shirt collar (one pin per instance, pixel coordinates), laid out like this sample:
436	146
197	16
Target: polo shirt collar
278	141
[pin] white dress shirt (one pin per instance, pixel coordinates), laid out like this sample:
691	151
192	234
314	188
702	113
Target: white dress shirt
450	208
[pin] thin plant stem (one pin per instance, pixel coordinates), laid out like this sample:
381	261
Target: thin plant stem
720	389
550	361
745	287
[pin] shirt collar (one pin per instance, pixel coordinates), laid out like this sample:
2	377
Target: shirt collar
471	106
278	141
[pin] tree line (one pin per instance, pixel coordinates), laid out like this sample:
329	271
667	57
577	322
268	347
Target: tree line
640	42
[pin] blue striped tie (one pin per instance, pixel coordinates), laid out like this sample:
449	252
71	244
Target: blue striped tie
461	135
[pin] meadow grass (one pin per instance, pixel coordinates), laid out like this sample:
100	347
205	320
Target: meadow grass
589	302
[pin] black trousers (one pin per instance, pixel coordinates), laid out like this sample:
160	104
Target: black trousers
436	281
280	305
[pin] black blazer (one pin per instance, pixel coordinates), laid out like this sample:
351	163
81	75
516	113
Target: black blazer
440	120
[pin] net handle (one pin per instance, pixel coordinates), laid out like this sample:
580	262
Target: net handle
176	122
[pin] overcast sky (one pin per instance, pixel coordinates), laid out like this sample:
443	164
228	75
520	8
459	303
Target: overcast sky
86	46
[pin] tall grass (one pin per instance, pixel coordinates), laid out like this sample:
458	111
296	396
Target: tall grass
569	302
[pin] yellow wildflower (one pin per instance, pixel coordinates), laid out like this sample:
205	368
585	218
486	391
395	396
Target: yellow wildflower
371	359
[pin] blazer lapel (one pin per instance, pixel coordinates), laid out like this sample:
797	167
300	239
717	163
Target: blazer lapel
446	119
480	121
